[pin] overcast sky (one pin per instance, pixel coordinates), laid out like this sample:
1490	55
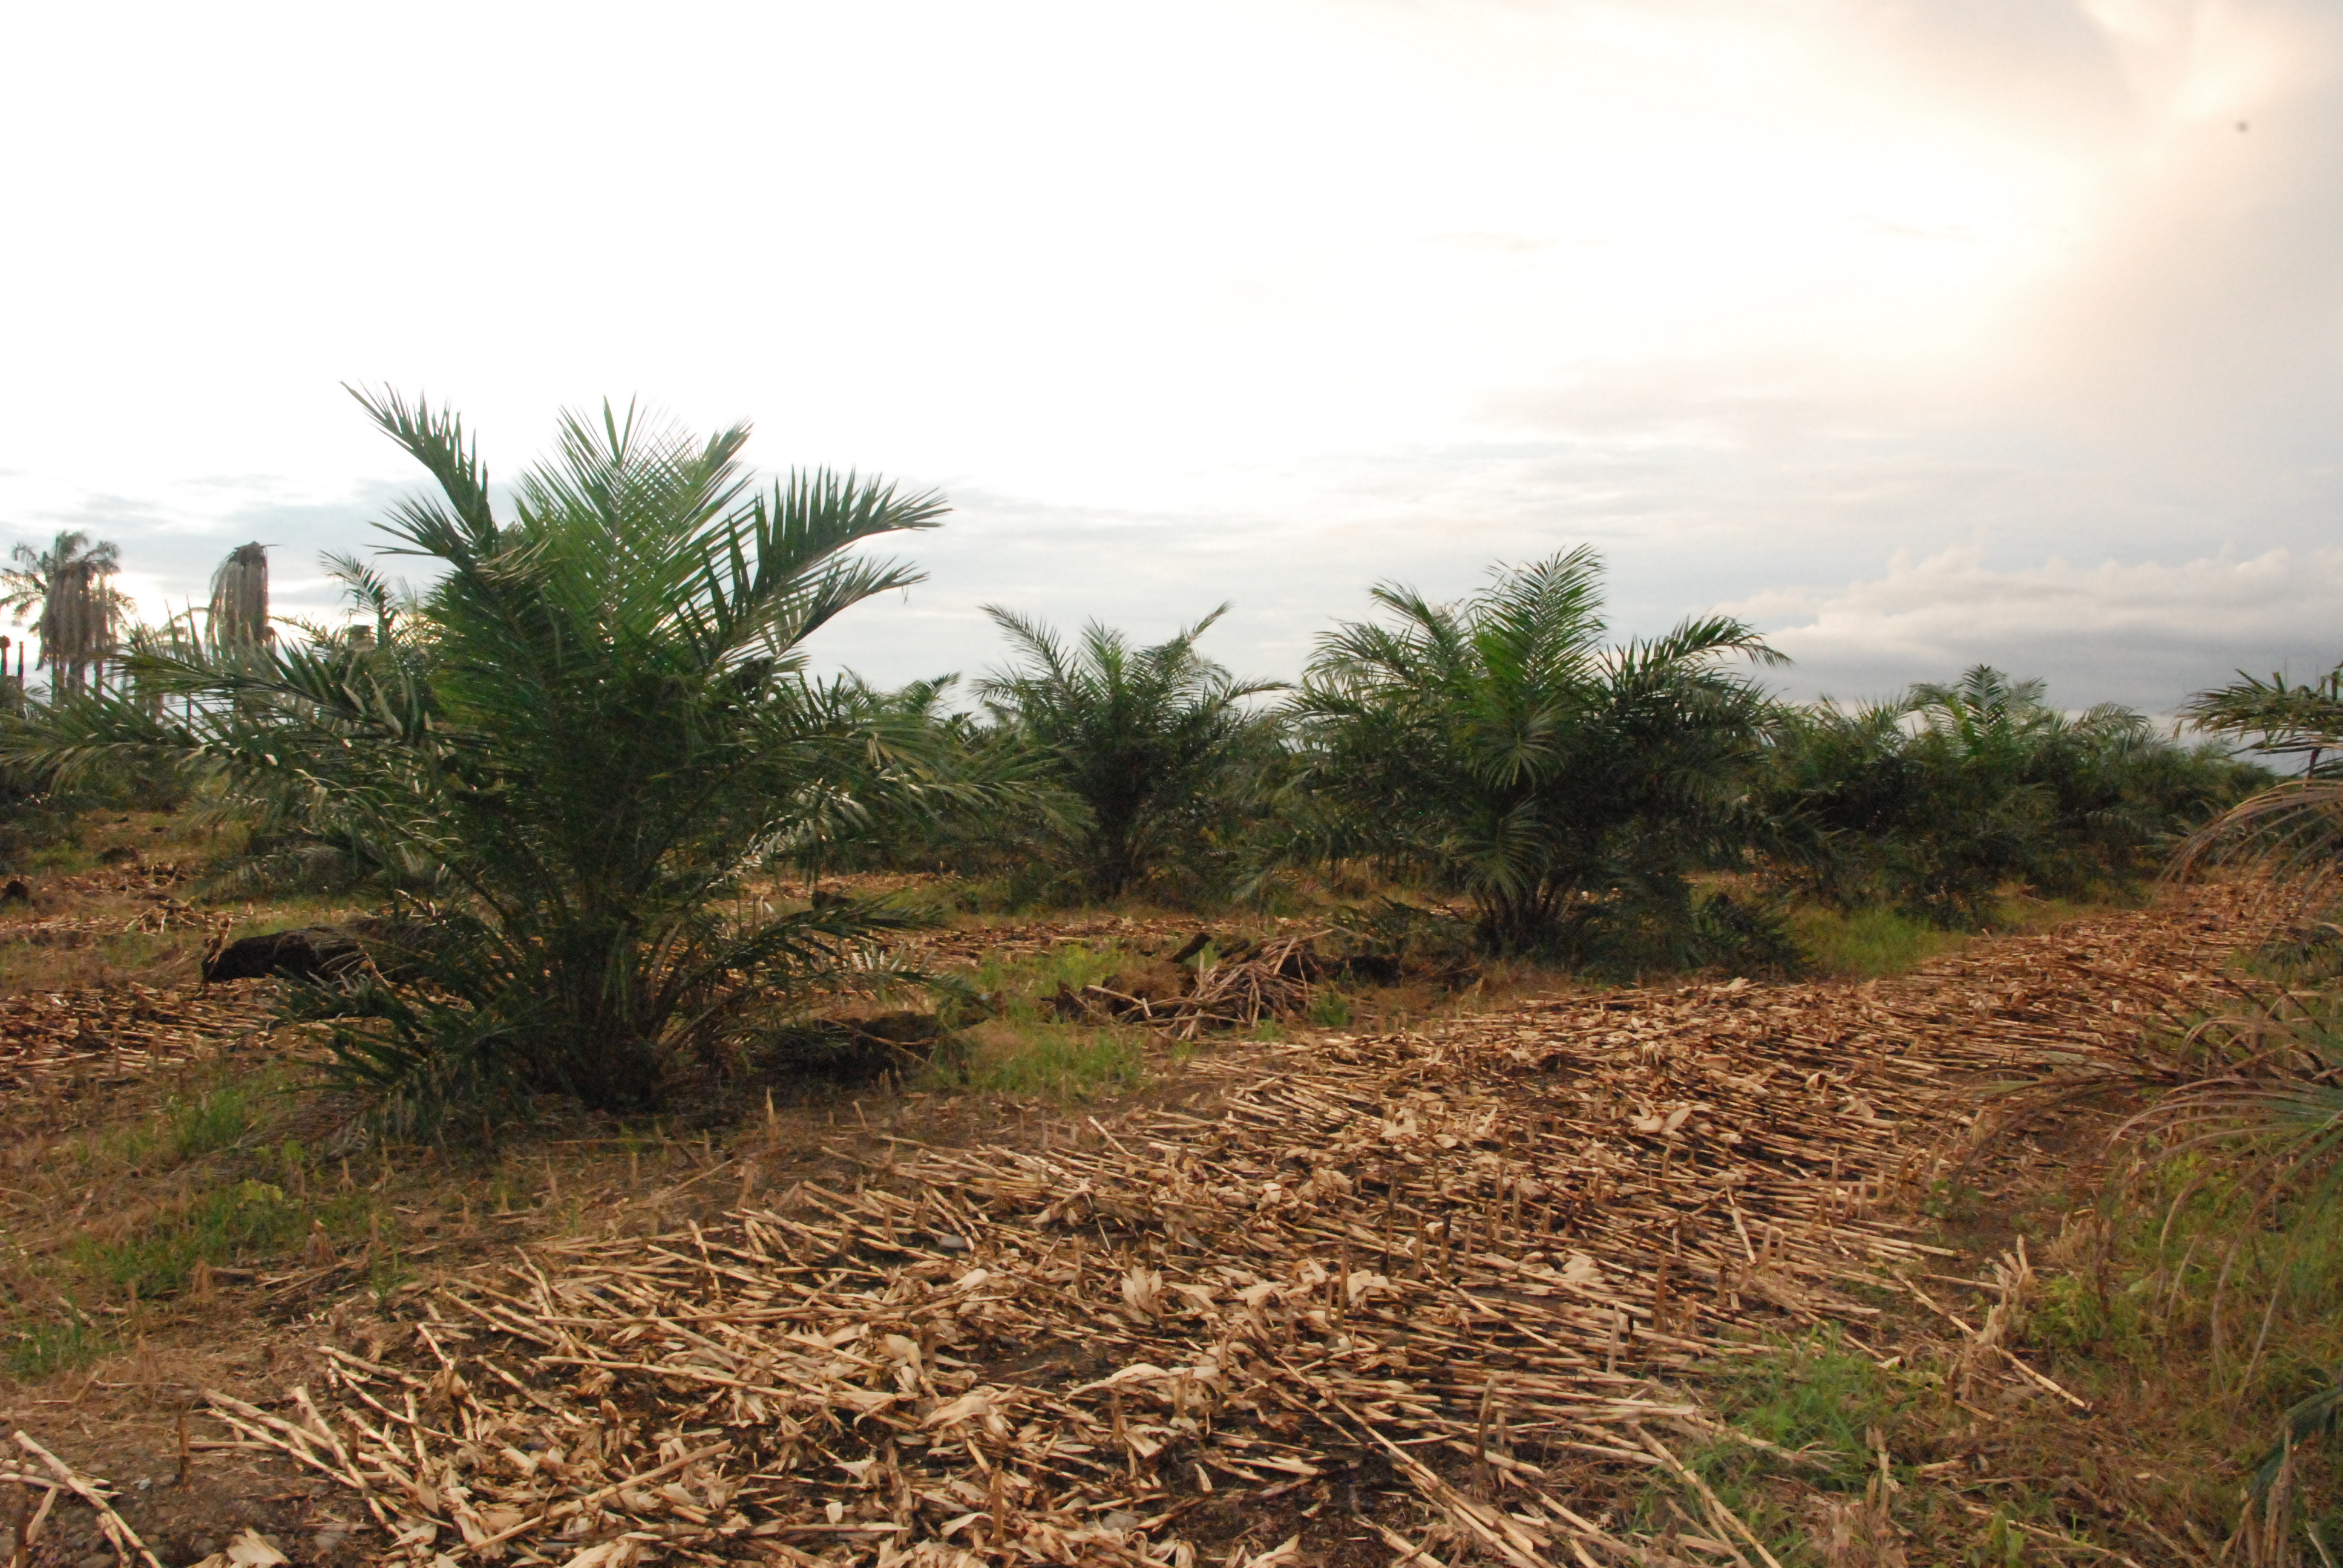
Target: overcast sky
1917	332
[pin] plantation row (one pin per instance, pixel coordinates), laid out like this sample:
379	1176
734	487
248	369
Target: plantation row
579	764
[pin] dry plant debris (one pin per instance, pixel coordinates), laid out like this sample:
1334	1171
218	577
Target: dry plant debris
1272	979
946	946
105	1037
1440	1285
54	1478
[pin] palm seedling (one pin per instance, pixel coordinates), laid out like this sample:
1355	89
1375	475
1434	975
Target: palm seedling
579	742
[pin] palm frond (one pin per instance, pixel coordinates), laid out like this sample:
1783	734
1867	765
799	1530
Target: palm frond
574	744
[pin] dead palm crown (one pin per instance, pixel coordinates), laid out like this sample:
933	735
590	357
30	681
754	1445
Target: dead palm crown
239	615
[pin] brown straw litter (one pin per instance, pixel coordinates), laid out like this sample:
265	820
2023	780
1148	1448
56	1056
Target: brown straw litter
1430	1284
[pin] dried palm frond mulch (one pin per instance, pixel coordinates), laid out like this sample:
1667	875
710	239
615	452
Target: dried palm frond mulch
1349	1299
54	1045
1274	978
82	930
947	946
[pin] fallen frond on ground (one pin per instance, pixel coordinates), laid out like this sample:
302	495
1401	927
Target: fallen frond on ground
1437	1293
60	1044
1275	978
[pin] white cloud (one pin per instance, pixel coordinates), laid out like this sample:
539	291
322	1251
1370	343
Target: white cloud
2145	635
1262	300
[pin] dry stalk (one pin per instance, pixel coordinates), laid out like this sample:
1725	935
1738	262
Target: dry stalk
1006	1351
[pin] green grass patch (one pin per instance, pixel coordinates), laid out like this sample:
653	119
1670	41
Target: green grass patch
2192	1309
1813	1396
1864	944
215	1120
1816	1400
1331	1009
1047	1060
2196	1281
1020	987
220	1119
157	1258
32	1351
234	1222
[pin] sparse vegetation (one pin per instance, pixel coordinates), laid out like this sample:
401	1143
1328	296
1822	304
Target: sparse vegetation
652	916
1868	941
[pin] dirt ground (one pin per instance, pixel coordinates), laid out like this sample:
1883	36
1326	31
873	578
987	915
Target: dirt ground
1337	1297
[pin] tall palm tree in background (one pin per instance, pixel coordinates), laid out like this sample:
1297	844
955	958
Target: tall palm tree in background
579	742
239	608
1498	748
80	610
1138	735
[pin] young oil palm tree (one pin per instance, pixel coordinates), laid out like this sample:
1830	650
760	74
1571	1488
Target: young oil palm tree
2275	717
1938	802
1500	748
590	728
1137	736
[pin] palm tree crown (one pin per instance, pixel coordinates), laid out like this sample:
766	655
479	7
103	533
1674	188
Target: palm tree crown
1135	734
576	742
1501	747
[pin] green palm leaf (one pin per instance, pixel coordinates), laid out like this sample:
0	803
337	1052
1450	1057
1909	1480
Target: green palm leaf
562	758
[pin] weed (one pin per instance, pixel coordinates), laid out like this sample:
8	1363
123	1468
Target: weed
1329	1009
212	1121
1019	988
1817	1401
1054	1060
1812	1395
1951	1202
240	1220
41	1348
1868	942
